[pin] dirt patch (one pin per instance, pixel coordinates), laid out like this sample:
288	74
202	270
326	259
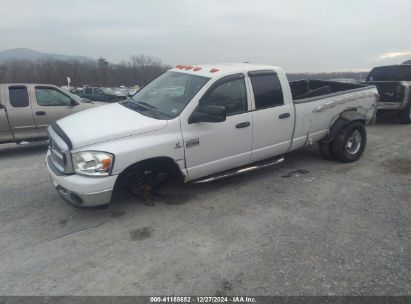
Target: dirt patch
398	166
296	173
117	213
63	222
175	199
140	234
225	289
168	199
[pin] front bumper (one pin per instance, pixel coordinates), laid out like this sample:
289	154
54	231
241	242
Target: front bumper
81	190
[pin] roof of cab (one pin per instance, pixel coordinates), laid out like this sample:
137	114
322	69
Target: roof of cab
393	66
222	69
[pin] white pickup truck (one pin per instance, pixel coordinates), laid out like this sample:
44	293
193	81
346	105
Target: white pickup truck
202	123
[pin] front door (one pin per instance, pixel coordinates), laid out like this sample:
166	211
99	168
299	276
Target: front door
51	105
216	147
100	96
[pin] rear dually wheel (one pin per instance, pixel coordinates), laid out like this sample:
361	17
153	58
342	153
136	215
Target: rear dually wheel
350	143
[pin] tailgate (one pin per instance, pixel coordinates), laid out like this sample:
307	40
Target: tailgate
389	91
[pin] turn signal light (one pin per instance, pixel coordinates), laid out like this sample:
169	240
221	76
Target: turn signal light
213	70
106	163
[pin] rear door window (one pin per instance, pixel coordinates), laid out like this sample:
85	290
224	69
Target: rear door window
267	89
19	97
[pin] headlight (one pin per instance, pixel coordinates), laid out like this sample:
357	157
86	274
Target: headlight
93	163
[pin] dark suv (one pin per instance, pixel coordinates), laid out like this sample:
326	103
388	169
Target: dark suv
101	94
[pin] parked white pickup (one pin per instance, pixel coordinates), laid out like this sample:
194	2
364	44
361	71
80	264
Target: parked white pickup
202	123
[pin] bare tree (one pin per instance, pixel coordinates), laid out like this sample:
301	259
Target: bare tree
138	70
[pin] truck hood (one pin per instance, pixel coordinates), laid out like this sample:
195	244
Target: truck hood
106	123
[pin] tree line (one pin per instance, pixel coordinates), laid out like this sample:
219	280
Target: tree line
138	70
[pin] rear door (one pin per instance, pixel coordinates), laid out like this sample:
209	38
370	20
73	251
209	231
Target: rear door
273	120
49	104
19	112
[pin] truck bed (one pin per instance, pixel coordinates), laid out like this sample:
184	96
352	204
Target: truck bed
309	89
316	112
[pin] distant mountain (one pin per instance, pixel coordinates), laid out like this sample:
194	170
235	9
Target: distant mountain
23	53
407	62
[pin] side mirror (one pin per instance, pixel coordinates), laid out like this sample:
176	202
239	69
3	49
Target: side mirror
74	102
208	114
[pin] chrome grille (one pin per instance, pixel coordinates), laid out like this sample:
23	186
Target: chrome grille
60	154
58	158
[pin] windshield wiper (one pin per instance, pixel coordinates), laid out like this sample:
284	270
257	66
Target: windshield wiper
144	107
146	104
132	105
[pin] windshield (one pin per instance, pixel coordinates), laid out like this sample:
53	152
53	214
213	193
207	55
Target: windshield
107	90
76	97
166	96
390	73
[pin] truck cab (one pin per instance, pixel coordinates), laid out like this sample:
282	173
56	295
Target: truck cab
26	110
101	94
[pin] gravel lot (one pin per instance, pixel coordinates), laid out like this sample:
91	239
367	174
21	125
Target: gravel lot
338	229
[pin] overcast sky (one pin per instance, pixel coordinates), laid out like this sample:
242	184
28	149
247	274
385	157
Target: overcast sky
298	35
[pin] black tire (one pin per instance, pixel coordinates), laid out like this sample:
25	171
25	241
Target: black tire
145	178
405	114
350	143
326	151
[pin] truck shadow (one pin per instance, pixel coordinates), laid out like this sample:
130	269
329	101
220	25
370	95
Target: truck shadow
13	150
175	193
387	118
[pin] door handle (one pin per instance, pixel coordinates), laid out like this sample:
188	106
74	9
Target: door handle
243	125
40	113
284	115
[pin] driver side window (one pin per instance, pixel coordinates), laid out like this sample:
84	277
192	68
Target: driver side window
231	94
51	97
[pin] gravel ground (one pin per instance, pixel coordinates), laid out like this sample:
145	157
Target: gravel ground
334	229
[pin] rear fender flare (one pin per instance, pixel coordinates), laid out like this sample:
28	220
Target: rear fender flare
344	119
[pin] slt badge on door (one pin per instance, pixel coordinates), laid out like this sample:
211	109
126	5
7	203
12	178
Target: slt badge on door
192	142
